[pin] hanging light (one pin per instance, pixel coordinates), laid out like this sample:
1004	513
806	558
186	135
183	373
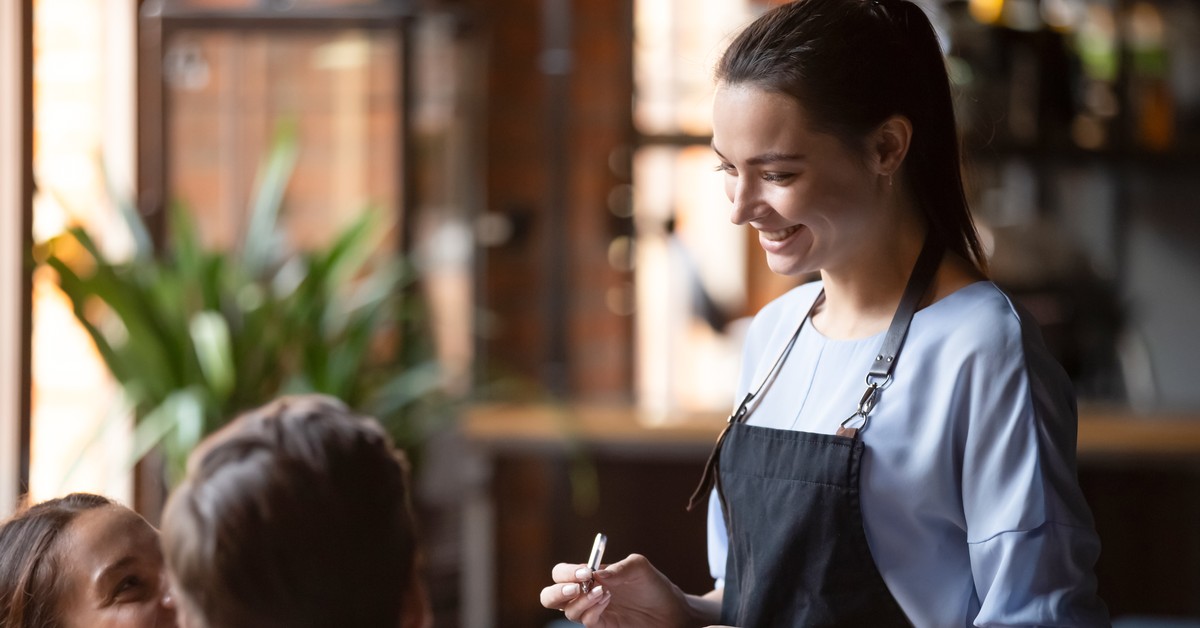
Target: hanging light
986	11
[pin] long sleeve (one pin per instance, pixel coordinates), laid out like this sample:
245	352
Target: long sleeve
1030	535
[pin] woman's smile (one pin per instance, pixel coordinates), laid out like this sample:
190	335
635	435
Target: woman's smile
778	242
779	235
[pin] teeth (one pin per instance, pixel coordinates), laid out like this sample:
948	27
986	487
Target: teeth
782	234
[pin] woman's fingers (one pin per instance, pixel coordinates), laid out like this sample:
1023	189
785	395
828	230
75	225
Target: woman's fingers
557	596
584	608
592	615
568	579
570	572
631	563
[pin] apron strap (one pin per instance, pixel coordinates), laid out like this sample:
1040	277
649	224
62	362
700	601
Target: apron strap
918	284
878	377
709	478
880	374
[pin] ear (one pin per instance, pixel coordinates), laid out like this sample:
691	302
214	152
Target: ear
889	144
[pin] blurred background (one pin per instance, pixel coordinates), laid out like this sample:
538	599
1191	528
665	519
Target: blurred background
497	226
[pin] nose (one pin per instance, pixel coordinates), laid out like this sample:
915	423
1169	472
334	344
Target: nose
745	198
167	592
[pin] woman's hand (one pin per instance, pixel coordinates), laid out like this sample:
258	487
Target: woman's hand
627	594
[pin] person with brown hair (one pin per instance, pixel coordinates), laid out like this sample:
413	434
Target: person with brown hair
295	515
82	561
902	446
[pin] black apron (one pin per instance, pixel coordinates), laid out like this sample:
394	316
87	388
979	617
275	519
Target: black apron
798	553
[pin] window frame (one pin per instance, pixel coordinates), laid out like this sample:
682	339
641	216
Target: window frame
16	207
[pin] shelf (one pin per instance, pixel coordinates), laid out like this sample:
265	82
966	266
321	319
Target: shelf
1104	432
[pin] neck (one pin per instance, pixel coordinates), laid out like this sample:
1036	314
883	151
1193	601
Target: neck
861	295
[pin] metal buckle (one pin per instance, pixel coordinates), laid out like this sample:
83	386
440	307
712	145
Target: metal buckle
865	405
871	381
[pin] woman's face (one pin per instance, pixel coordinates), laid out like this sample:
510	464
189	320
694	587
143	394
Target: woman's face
113	575
811	198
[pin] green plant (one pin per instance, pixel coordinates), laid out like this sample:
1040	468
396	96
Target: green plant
195	335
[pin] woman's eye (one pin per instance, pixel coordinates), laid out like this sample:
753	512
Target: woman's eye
127	585
726	168
777	177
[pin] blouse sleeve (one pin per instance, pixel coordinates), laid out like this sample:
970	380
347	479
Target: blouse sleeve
718	541
1031	538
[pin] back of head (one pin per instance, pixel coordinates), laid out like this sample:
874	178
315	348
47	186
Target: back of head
30	560
852	64
296	514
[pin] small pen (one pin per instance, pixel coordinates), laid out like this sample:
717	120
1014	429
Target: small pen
594	559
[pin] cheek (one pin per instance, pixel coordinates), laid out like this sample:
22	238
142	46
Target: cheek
143	615
730	186
826	195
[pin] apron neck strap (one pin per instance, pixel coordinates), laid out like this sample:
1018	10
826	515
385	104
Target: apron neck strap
709	478
918	284
880	374
881	370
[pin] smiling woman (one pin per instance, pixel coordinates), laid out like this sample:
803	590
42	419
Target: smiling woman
82	561
932	500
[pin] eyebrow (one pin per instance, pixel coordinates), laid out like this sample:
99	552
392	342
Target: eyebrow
765	158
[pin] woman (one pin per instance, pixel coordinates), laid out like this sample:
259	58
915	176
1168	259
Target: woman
904	449
296	514
82	561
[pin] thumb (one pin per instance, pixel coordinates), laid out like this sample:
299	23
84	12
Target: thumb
627	567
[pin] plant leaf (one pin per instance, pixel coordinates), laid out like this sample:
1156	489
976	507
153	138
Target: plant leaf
262	238
210	339
143	246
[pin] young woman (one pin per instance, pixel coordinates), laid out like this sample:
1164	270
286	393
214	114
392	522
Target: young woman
296	514
903	452
82	561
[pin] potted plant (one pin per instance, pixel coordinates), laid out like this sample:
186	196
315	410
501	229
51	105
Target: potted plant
195	335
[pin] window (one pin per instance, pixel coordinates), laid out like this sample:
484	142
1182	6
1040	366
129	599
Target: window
82	158
227	90
697	278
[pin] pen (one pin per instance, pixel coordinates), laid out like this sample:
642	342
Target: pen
594	559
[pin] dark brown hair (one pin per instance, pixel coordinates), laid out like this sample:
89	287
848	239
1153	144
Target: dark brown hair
295	515
852	64
30	586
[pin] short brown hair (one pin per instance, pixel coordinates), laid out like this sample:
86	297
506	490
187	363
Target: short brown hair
30	561
297	514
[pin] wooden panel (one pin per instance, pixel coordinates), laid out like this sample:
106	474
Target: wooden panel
549	507
564	473
1103	432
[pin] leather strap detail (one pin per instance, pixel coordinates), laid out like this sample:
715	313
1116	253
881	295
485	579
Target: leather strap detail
918	284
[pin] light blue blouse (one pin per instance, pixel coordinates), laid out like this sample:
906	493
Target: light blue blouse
969	494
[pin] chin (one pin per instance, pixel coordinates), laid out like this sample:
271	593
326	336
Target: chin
789	267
